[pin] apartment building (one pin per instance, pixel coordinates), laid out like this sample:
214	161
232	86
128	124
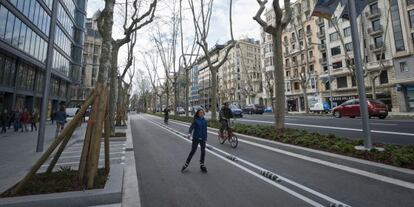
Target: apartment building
240	78
26	28
300	54
402	31
91	56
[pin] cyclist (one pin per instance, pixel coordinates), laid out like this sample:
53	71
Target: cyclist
166	115
224	116
198	130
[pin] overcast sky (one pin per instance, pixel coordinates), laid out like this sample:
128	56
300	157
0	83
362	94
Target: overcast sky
243	24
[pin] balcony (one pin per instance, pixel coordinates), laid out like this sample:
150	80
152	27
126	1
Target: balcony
287	66
372	14
285	43
293	40
375	31
321	34
376	47
308	33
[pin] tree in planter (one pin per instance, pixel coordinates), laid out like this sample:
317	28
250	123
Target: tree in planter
123	87
136	23
91	146
281	20
202	28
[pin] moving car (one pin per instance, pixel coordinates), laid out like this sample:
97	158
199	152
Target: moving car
236	111
351	109
253	109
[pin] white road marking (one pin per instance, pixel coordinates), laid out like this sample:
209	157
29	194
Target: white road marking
72	163
384	124
382	178
304	198
330	127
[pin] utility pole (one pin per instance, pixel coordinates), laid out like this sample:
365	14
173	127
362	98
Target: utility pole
360	77
46	79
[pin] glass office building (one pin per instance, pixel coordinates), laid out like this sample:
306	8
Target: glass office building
25	27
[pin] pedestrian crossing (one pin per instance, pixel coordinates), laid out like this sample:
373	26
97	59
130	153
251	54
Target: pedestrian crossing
71	155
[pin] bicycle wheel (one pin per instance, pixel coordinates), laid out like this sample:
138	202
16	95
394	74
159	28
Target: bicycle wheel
220	138
234	141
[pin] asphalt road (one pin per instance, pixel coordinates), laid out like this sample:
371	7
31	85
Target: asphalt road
389	131
161	150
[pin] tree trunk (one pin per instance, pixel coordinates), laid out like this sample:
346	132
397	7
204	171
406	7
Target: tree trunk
113	87
279	85
119	102
213	93
107	129
305	97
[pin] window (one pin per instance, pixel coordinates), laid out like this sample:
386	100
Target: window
383	79
3	16
337	65
296	86
9	28
327	85
336	51
341	82
396	23
334	36
347	32
376	25
403	67
410	2
16	32
311	54
379	57
348	47
311	69
378	42
353	81
374	8
411	17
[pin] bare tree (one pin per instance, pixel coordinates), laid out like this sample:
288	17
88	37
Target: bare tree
135	23
281	20
202	28
192	51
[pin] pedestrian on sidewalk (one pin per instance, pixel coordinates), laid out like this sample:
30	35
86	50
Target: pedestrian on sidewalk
17	116
11	118
34	119
4	121
198	130
52	116
24	120
60	117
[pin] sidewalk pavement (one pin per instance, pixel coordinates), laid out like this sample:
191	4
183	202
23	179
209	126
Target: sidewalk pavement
18	152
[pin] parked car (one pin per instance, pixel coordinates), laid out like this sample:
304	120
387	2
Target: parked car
268	109
351	109
253	109
180	110
71	112
236	111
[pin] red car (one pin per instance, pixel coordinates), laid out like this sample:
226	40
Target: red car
351	108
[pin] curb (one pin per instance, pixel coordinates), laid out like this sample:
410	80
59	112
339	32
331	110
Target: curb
130	192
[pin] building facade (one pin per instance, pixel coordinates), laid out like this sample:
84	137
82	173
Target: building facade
25	30
300	55
240	78
90	66
402	31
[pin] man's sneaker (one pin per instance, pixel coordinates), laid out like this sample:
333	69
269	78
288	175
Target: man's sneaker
184	167
203	168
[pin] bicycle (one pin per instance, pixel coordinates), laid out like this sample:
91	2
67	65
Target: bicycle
228	135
